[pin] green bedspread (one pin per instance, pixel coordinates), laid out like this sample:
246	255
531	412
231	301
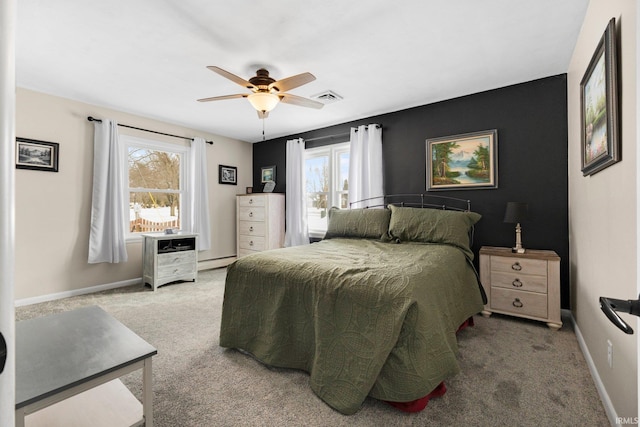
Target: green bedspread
363	317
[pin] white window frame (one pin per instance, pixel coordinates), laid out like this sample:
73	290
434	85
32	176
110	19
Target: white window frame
127	141
333	153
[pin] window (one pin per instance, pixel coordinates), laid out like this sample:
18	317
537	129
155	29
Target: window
327	184
155	184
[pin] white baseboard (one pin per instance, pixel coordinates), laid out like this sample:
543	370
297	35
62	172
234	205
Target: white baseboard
202	265
602	391
76	292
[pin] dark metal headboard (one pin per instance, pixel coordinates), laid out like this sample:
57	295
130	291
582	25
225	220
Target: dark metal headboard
414	201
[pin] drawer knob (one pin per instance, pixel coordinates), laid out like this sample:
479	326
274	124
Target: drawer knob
250	214
516	266
517	283
250	201
251	243
251	228
517	303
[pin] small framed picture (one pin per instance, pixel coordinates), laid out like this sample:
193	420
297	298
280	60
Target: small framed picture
268	174
227	175
37	155
249	190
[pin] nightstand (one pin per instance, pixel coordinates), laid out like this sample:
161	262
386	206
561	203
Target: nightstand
524	285
168	258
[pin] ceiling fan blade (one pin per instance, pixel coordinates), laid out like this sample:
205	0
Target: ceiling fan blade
220	98
287	98
232	77
263	114
292	82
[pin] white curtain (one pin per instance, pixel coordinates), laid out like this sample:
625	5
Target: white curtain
297	232
200	221
365	165
107	235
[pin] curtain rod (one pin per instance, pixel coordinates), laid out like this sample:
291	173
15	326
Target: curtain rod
337	135
91	119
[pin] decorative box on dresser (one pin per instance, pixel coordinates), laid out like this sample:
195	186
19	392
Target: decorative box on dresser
260	222
168	258
524	285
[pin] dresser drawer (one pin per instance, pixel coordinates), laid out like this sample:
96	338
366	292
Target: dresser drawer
519	282
251	228
245	252
519	302
519	265
252	201
251	213
254	243
171	258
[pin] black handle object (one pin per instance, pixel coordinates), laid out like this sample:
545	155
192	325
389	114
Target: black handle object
610	305
3	352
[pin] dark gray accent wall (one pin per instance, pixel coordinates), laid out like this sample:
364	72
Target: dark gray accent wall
531	119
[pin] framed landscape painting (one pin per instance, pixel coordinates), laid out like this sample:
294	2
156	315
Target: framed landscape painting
462	162
37	155
599	106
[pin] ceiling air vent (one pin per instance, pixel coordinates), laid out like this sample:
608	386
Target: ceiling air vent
327	97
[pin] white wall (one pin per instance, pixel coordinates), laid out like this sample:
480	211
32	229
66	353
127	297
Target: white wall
602	211
53	209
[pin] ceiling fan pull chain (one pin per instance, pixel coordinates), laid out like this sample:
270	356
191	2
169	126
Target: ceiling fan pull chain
263	137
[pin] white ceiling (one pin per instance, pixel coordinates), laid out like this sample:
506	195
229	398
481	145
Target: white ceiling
149	57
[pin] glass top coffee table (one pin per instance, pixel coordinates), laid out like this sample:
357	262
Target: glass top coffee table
67	370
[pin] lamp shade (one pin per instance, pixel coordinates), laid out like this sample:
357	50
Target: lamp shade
263	101
516	212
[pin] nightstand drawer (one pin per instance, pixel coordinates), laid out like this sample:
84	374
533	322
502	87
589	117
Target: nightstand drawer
177	270
251	214
251	228
172	258
519	282
252	201
254	243
519	265
519	302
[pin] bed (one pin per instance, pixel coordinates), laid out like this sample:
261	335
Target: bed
371	310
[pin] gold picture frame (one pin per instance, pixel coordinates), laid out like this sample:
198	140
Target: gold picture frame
463	162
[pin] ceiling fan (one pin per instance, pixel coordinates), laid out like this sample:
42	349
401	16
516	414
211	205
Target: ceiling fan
266	91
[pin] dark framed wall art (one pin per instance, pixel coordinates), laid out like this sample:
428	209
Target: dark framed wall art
268	174
37	155
227	175
600	139
462	162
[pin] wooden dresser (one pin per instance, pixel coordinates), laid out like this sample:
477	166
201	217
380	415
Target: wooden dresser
523	285
260	222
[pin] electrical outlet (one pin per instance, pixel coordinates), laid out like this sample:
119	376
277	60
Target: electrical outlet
610	353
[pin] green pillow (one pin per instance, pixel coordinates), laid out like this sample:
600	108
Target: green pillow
360	223
432	226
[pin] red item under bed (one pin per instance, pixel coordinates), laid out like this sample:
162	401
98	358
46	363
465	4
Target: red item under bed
419	404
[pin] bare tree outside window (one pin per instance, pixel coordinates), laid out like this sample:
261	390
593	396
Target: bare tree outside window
154	189
327	184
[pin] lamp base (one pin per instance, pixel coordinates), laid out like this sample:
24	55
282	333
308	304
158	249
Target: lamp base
518	249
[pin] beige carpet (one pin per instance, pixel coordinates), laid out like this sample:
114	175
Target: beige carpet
514	372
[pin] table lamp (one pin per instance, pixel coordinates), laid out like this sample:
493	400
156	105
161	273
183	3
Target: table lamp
516	212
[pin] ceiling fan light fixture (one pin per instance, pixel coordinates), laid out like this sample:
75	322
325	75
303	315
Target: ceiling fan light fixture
263	101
